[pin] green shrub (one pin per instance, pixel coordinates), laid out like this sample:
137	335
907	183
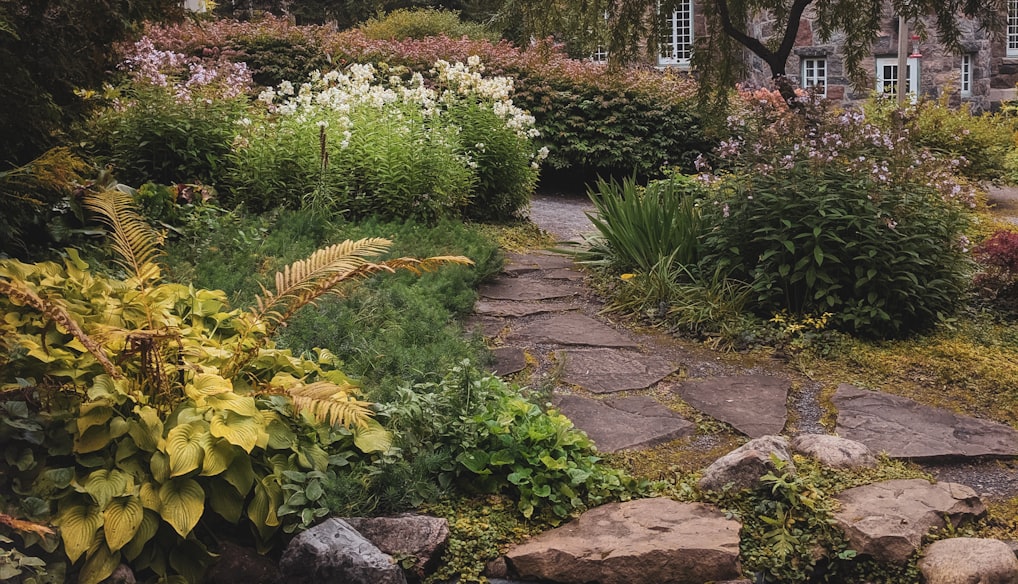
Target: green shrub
491	439
421	23
979	143
153	135
274	58
826	212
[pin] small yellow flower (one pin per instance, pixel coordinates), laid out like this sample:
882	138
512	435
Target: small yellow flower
627	277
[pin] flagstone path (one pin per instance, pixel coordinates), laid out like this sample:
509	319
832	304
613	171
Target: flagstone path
625	388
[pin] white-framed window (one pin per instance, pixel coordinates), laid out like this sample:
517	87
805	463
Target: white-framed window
814	75
1012	28
887	76
966	76
676	43
600	54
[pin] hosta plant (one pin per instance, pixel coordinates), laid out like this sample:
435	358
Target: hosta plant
135	411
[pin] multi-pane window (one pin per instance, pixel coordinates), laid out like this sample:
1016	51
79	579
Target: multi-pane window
887	76
1012	28
676	41
966	75
814	75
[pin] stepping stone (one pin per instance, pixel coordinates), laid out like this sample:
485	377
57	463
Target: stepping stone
525	289
905	429
571	329
488	326
753	404
571	274
616	428
520	308
605	370
647	541
508	360
519	264
888	520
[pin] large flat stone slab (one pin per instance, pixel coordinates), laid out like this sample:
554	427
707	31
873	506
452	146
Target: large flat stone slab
753	404
905	429
486	326
647	541
518	308
605	370
520	263
570	329
527	289
508	360
888	520
627	424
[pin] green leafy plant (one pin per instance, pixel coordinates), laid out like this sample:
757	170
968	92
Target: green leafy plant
491	439
644	226
162	403
421	23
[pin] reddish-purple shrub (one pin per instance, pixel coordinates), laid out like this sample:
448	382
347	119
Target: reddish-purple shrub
998	263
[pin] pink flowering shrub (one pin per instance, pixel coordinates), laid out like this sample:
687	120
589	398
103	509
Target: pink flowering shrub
827	212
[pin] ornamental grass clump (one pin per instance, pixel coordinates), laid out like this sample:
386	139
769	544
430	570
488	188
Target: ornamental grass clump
825	212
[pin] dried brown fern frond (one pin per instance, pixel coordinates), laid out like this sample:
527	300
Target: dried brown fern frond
328	402
22	526
302	281
134	240
21	293
57	170
421	265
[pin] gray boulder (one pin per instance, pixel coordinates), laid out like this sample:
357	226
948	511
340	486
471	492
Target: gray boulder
334	552
648	541
743	467
888	520
967	560
420	537
834	451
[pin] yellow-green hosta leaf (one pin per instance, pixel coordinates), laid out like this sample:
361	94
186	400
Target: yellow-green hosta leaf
148	494
189	559
121	520
146	429
94	413
79	528
225	500
219	454
92	439
206	384
268	496
312	457
183	502
185	446
237	429
284	380
281	437
105	387
159	464
372	437
146	531
104	485
238	404
240	474
99	564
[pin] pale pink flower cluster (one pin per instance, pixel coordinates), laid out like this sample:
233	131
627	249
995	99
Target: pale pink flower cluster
188	77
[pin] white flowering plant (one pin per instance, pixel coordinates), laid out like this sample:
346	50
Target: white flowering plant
829	213
378	140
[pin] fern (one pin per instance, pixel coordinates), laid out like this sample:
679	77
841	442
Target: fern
21	293
328	402
134	240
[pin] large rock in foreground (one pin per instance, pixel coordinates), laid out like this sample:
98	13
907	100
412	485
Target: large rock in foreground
966	560
743	467
332	551
649	541
421	537
905	429
888	520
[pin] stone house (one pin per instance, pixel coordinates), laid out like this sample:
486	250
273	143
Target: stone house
984	74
